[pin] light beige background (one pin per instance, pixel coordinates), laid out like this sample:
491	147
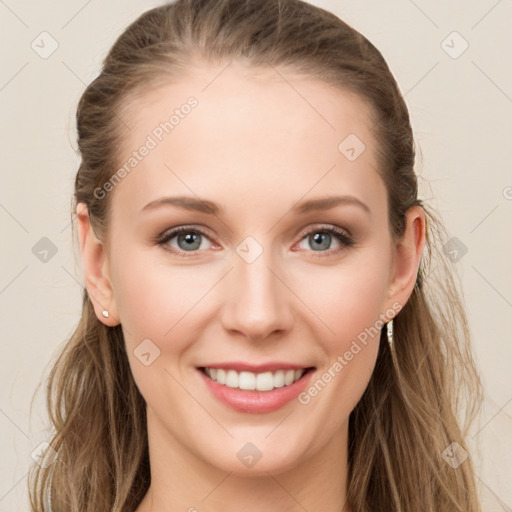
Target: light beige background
461	110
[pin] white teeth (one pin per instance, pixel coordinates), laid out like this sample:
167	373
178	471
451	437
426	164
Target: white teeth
231	379
279	379
289	376
221	376
246	380
265	381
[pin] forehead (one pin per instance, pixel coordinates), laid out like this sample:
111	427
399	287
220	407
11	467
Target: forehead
250	134
236	94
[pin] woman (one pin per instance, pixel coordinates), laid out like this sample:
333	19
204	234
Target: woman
262	325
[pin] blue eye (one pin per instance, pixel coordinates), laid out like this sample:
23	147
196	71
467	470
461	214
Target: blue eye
323	236
189	240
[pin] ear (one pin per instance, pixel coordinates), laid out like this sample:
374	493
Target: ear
96	272
407	257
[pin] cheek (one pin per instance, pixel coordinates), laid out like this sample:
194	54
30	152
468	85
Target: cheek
347	298
156	300
349	301
156	307
162	303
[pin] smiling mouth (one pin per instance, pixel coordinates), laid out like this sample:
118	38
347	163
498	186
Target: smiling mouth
264	381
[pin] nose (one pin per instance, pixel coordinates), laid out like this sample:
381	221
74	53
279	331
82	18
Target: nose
259	303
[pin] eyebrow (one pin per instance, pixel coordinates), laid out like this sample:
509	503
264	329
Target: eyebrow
211	208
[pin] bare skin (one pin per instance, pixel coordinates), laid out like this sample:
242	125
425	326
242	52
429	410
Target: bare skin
254	147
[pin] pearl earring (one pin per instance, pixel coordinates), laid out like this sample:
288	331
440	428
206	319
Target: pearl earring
105	313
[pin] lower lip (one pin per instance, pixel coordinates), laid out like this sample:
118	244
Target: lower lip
256	401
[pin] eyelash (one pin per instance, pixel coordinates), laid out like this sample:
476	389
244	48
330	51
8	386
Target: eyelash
339	234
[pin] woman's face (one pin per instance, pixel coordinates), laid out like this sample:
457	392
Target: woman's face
256	282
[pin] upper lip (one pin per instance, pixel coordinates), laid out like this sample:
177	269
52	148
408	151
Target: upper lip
256	368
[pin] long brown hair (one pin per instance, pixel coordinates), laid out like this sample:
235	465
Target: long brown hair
411	411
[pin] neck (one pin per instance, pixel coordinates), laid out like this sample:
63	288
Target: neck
180	480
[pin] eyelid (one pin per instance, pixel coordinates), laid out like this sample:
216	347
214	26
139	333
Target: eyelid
321	226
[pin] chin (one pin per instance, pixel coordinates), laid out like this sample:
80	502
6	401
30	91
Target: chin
249	460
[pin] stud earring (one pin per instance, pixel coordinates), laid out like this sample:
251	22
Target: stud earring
105	313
